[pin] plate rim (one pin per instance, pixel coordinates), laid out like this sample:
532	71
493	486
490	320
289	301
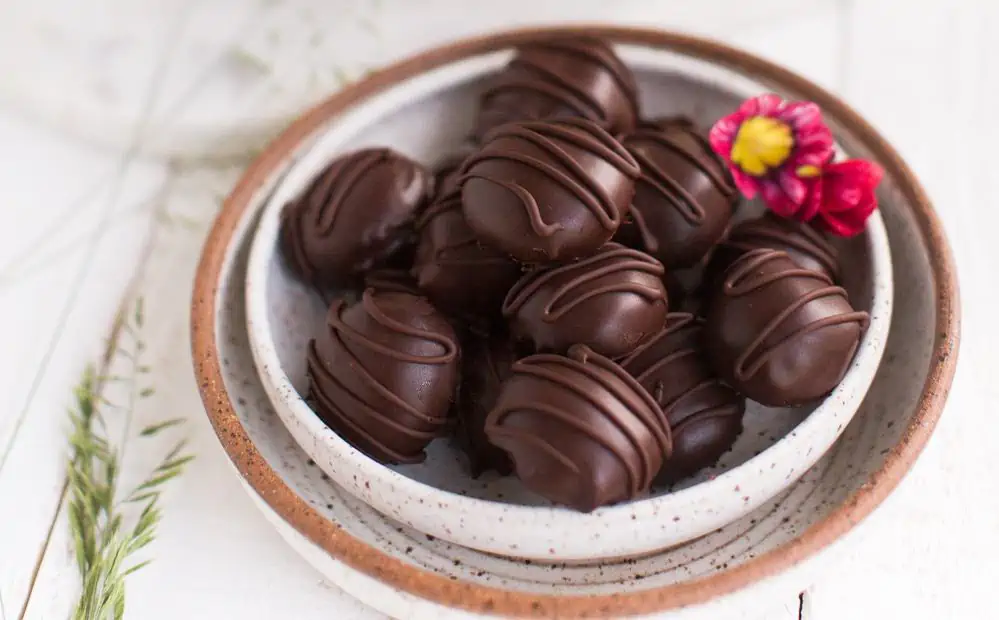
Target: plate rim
487	599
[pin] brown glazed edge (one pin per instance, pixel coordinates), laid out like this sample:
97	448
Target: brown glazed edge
490	600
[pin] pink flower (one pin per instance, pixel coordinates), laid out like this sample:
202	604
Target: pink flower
845	196
777	149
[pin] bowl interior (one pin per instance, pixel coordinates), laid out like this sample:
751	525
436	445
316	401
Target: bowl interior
429	127
863	450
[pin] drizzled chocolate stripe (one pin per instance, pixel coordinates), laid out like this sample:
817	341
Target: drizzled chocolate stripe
530	72
587	376
360	376
744	278
335	186
572	293
705	160
371	306
565	171
692	398
779	233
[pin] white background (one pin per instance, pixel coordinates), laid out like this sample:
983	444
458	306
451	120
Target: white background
113	117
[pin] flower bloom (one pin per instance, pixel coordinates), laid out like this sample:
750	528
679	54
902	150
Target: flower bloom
845	195
776	149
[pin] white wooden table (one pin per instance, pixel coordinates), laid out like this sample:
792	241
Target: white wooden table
86	223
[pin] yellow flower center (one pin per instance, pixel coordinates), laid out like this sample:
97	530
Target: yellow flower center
761	145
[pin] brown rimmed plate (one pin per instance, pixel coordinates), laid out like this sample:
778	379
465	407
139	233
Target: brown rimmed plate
876	450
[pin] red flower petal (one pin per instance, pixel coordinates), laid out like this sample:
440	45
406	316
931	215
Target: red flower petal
848	196
802	114
813	201
792	185
857	172
777	200
723	133
748	186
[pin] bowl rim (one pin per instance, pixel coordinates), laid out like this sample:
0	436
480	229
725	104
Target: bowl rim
399	495
488	599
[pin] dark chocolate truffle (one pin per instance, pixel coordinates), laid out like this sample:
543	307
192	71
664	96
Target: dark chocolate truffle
807	247
562	77
612	302
780	334
547	191
355	215
704	414
382	374
580	430
684	198
459	274
486	363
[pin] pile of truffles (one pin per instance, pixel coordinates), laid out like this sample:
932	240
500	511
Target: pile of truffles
519	295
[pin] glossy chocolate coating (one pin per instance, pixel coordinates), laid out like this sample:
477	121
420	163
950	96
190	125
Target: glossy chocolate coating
684	199
704	414
562	77
355	215
460	275
780	334
580	430
547	191
486	363
612	302
807	247
383	373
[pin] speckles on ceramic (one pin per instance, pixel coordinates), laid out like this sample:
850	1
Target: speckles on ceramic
876	449
821	489
438	496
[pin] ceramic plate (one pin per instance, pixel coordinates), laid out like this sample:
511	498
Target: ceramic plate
426	117
874	452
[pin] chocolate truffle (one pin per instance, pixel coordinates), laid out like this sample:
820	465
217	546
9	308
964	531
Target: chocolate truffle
562	77
807	247
704	414
580	430
383	372
355	215
684	198
612	302
780	334
548	191
486	363
459	274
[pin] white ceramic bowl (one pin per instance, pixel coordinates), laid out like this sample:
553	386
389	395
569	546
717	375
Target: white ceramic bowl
425	117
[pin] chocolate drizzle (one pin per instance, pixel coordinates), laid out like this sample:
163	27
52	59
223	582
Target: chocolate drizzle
779	333
806	246
611	301
579	429
704	414
355	215
562	77
383	373
555	167
684	198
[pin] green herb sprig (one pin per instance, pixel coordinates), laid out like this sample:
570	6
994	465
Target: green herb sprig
103	545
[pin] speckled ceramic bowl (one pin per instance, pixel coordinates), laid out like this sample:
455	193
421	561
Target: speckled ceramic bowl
439	497
426	115
384	563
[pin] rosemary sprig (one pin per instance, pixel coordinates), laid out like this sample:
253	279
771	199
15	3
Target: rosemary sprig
102	544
